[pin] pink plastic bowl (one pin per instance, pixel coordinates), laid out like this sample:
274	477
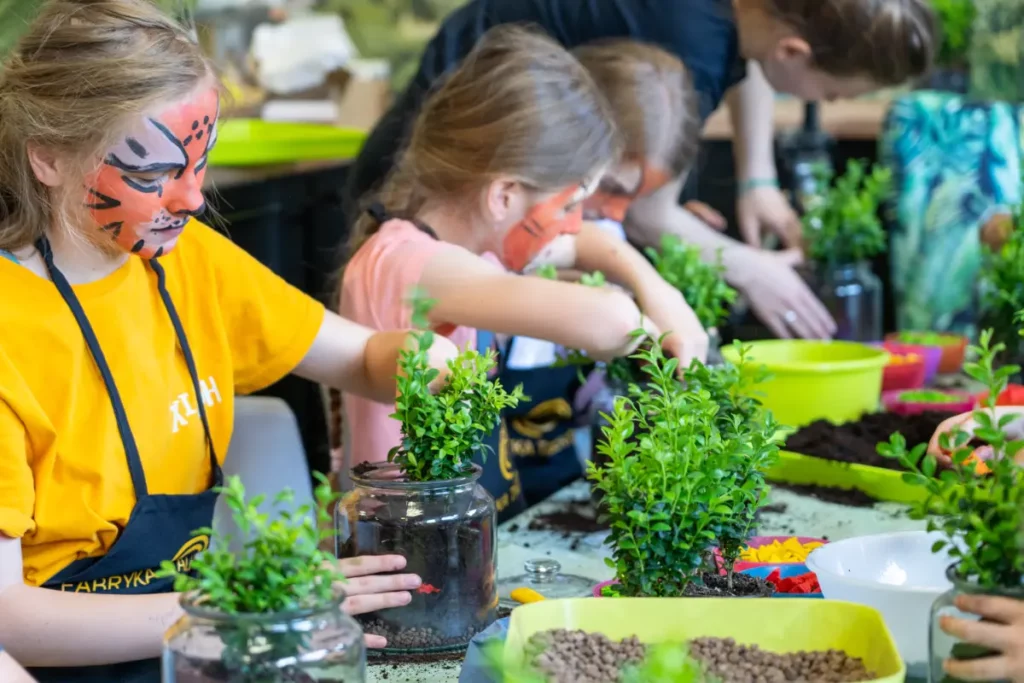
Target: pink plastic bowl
893	404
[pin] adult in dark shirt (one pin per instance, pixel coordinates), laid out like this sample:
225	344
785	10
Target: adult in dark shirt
737	51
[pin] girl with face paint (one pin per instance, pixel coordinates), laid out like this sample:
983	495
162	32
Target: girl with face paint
128	328
492	183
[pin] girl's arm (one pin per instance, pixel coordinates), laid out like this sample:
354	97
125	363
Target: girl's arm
767	279
473	292
44	627
11	672
354	358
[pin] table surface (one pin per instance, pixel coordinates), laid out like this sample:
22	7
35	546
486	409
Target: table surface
803	516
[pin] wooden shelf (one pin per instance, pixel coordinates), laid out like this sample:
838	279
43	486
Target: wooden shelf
848	120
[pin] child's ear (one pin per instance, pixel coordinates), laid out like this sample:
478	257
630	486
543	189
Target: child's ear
502	199
792	48
45	165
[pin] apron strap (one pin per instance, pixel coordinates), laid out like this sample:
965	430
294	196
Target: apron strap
131	450
186	351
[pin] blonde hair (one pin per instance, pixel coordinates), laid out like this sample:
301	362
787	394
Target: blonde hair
891	41
519	105
80	75
652	97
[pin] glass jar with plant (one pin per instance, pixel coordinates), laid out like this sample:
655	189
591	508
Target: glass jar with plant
692	479
980	515
843	231
426	503
271	614
1001	290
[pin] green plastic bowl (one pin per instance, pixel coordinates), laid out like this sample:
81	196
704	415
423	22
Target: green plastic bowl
252	142
813	380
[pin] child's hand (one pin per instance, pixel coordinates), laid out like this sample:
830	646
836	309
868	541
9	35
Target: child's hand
667	308
372	585
966	422
1003	632
440	353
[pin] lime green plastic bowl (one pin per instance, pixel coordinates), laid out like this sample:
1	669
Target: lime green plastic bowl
812	380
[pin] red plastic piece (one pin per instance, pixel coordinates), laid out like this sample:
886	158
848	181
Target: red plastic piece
805	584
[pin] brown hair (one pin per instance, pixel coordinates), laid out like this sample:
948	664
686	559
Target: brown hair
81	73
652	97
520	106
891	41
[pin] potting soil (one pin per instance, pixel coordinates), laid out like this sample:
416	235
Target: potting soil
564	656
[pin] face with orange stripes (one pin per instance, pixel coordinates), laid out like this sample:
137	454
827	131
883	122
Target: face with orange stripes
546	221
618	191
150	182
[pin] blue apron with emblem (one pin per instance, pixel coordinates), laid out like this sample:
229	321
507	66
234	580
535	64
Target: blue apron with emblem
160	527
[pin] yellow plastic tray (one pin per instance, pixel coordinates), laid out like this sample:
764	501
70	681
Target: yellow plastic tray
877	482
776	625
252	142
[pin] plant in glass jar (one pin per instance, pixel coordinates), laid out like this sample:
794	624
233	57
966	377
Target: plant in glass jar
426	503
271	614
842	232
978	505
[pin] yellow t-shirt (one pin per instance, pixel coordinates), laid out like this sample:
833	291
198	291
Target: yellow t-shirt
65	489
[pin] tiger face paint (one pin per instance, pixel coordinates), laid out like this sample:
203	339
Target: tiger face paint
613	204
150	182
544	223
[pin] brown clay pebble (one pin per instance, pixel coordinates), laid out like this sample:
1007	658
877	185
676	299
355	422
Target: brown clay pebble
579	657
412	638
735	663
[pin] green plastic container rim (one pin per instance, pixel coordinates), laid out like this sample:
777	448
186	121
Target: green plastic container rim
876	359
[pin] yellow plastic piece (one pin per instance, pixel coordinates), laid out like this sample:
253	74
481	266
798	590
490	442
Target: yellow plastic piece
781	626
790	551
837	381
251	142
524	596
877	482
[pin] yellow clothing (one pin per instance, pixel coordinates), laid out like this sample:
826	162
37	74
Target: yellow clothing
65	489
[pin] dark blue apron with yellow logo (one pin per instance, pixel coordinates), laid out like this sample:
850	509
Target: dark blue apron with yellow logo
161	527
541	431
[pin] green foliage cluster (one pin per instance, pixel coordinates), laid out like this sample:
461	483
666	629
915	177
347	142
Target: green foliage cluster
701	284
1002	285
957	20
685	472
981	516
442	431
280	571
843	227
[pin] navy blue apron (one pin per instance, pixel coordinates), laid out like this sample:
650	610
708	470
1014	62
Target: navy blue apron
499	477
541	431
161	527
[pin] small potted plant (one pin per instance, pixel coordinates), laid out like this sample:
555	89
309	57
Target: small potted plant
917	401
695	479
951	72
271	614
1001	289
426	503
952	346
980	516
843	231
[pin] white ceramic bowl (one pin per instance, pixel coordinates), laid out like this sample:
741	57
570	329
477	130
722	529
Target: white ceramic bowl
897	574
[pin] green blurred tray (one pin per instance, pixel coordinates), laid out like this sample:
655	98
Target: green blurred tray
253	142
877	482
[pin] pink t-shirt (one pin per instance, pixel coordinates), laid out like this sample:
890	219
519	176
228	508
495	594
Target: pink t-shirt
374	293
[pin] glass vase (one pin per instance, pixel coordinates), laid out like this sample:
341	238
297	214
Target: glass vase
446	530
942	646
208	646
853	295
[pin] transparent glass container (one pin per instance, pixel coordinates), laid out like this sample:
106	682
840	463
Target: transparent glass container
853	295
207	646
545	576
942	646
446	530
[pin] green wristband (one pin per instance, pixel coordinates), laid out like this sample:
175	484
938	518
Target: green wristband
754	183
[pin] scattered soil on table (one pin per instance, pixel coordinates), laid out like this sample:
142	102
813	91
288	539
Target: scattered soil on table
577	517
572	656
735	663
854	498
857	442
386	663
774	509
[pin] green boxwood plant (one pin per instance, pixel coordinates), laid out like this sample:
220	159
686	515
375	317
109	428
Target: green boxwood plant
702	284
842	227
280	571
957	20
1002	287
442	431
981	516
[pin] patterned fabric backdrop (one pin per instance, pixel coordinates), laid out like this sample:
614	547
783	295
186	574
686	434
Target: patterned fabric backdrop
955	162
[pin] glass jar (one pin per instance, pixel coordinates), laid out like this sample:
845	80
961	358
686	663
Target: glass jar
446	530
208	646
942	646
853	295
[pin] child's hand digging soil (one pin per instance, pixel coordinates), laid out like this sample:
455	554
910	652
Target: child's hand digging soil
1002	631
966	422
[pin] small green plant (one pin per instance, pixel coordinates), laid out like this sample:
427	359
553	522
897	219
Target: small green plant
957	20
701	284
928	338
280	571
981	516
1002	285
442	431
928	396
842	227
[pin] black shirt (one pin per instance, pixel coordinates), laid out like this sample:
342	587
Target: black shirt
700	32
